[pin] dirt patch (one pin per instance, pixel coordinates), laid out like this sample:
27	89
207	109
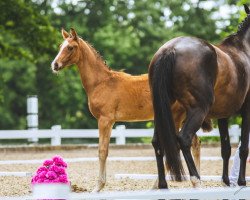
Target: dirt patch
83	175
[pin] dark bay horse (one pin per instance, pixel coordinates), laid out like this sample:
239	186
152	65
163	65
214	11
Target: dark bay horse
112	96
209	82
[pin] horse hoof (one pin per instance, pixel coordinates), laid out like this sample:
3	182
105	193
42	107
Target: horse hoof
195	182
98	187
242	182
225	181
163	185
96	190
154	187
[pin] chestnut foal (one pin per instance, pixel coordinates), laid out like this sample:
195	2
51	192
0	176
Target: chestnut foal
112	96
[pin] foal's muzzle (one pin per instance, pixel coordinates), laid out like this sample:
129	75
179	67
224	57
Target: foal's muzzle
56	66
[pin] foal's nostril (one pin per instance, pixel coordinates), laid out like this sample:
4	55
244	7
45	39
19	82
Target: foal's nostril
56	66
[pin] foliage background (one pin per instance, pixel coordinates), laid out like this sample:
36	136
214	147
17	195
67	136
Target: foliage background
127	33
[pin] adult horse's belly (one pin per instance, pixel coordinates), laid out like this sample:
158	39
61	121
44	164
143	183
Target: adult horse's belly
224	108
228	100
230	87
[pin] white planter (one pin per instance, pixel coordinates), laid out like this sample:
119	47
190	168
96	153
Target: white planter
51	191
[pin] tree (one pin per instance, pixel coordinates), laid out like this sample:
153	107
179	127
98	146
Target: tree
25	35
127	34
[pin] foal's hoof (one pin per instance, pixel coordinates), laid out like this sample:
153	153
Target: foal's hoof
195	182
96	190
155	186
98	187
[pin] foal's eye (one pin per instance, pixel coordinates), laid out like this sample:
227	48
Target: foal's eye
70	48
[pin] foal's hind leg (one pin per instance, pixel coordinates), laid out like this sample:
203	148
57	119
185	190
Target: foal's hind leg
194	119
162	183
105	126
225	148
196	151
245	129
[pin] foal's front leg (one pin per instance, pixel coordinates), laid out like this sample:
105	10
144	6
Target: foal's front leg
105	126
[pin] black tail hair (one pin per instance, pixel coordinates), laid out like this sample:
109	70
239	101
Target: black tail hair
162	95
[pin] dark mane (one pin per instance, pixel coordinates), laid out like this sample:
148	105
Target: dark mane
243	26
97	54
236	37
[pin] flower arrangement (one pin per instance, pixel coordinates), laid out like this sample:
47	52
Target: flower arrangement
52	171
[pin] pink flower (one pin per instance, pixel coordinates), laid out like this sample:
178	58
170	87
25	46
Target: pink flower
47	181
42	174
63	179
52	171
59	161
57	169
47	163
41	169
51	175
56	180
40	180
34	179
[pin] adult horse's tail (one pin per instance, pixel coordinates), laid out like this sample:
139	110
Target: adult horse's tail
160	75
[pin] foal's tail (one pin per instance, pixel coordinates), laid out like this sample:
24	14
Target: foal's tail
161	84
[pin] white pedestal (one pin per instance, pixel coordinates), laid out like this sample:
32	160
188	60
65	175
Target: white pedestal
51	191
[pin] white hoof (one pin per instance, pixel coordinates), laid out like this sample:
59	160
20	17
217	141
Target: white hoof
195	181
99	187
155	186
95	190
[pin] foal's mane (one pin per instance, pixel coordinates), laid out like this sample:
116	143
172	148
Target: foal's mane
97	54
242	29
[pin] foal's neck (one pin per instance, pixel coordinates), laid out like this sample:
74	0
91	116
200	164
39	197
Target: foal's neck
92	69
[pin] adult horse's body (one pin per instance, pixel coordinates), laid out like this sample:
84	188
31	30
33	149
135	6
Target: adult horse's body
112	96
209	82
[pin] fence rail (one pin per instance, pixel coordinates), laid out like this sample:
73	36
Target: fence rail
48	192
120	133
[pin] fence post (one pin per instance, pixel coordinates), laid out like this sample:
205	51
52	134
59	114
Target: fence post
56	140
32	115
120	139
235	133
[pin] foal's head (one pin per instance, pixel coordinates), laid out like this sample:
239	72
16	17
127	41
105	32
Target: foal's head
69	52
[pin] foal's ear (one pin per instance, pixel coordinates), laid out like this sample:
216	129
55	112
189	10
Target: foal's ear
247	10
65	34
74	34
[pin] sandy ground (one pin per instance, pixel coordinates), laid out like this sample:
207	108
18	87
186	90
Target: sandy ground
84	174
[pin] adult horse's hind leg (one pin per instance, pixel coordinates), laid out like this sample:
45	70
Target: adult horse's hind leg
162	183
225	148
105	126
194	119
179	114
245	113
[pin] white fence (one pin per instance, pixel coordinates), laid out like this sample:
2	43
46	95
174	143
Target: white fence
120	133
188	193
56	192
